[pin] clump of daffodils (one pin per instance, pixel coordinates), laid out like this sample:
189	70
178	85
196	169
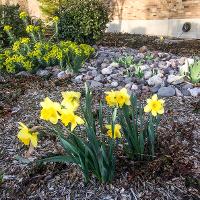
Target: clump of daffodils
54	111
94	149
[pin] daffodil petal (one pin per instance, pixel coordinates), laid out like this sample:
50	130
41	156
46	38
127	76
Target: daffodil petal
155	97
154	113
34	139
147	108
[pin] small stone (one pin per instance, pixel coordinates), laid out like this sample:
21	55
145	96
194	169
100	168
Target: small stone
187	86
166	91
95	84
143	49
128	80
147	74
104	65
195	92
63	75
88	77
175	79
106	71
185	92
134	87
23	73
128	85
79	78
114	84
114	64
155	89
99	78
178	92
94	72
43	73
144	67
155	80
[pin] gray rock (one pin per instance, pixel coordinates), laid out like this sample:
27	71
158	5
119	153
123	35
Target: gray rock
162	65
175	79
195	92
128	85
23	73
147	74
134	87
185	92
155	80
128	80
106	71
144	67
114	84
78	79
94	72
114	64
187	86
43	73
96	84
63	75
178	92
155	89
166	91
99	78
104	65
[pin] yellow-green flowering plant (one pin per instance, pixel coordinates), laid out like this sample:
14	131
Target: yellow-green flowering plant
35	51
139	130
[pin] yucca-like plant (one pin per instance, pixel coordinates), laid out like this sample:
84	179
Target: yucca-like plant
194	72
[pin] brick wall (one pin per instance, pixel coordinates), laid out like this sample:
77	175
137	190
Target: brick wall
136	9
155	9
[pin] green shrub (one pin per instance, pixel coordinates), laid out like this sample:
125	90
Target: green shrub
83	21
36	51
9	15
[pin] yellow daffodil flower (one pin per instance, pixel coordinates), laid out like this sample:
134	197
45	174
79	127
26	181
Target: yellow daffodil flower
155	106
111	98
68	116
50	111
26	136
71	100
7	28
122	97
117	133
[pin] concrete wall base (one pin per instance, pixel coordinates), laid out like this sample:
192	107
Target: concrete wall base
164	27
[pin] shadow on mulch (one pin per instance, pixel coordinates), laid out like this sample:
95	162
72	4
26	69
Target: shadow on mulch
182	47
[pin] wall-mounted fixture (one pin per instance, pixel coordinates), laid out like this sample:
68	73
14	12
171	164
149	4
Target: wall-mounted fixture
186	27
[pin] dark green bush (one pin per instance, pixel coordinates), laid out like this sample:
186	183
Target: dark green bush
9	15
83	21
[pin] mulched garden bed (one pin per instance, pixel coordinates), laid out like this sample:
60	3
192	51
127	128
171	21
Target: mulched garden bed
182	47
173	174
